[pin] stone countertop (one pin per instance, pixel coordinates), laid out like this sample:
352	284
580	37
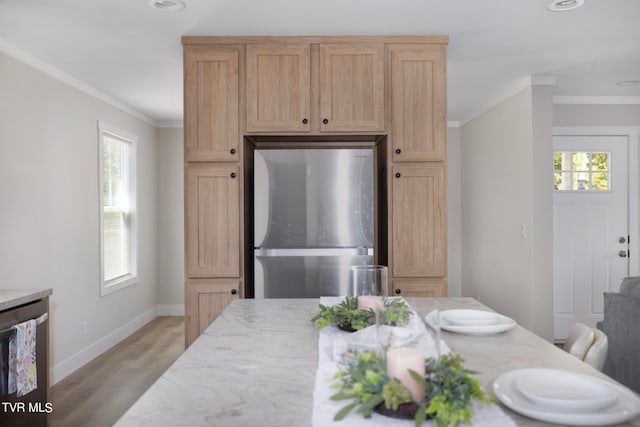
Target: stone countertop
10	298
256	365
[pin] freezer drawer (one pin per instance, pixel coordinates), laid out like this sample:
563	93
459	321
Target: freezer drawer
305	276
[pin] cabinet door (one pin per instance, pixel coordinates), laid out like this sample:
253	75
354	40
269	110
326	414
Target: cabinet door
204	301
278	87
418	221
419	288
418	102
351	87
212	215
211	107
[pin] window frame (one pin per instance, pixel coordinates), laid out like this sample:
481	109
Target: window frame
110	286
589	171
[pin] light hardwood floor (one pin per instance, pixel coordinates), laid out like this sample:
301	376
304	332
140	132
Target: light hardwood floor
100	392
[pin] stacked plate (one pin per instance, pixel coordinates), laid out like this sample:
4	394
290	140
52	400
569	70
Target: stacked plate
564	397
472	322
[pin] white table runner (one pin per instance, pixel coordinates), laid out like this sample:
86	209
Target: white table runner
324	409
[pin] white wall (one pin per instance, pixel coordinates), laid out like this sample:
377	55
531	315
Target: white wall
454	212
541	232
596	115
49	210
507	209
496	202
170	221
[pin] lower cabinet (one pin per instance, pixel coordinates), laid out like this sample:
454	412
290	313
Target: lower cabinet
407	288
205	299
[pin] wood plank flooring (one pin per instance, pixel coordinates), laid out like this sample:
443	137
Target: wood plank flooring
100	392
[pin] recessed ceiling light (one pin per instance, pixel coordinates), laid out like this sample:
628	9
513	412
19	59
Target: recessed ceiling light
167	5
564	5
628	83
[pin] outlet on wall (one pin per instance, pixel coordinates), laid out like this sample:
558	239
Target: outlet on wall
85	328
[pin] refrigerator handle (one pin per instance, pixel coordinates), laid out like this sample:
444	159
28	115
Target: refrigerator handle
306	252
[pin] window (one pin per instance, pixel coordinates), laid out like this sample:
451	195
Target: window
117	168
581	171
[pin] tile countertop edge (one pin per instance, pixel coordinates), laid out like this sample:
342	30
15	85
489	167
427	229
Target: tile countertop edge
10	298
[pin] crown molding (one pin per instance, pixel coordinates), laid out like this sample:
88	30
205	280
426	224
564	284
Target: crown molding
593	100
19	54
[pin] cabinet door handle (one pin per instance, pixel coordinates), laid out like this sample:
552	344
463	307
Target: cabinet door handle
234	291
325	121
398	151
232	151
398	175
305	121
398	291
233	174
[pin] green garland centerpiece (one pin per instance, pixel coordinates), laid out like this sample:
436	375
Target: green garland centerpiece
449	390
348	317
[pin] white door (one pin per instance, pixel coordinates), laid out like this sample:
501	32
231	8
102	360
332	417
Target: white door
590	223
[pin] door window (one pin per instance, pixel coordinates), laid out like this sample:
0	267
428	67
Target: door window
581	171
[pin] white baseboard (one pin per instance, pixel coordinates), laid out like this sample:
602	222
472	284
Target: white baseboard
87	354
170	310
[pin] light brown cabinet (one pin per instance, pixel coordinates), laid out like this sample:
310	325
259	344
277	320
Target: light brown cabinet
278	87
212	216
351	87
418	102
211	120
205	299
419	288
241	91
418	221
349	95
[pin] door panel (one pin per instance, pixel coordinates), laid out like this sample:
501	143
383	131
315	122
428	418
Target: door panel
418	102
204	301
418	221
213	220
211	107
351	87
587	229
278	87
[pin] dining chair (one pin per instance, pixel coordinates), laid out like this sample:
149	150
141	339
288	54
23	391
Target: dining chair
597	353
579	340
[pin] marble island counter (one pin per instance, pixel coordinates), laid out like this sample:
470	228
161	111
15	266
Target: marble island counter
11	298
256	365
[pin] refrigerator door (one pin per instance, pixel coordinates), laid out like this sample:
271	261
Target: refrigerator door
306	273
313	198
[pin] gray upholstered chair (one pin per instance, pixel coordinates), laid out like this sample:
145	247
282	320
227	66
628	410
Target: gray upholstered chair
621	324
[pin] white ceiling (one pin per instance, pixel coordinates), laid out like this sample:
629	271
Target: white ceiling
133	54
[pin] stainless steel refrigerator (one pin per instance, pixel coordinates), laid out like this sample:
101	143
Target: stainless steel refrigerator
313	220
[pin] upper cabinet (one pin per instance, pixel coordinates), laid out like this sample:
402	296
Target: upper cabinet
278	87
418	102
212	132
351	87
348	95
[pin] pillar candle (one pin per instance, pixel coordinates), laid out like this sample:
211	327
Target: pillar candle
399	361
366	302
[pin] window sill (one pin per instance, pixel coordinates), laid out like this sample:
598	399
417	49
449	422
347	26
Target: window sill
117	285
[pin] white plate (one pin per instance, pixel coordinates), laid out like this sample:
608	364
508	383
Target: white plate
470	317
568	391
504	324
626	406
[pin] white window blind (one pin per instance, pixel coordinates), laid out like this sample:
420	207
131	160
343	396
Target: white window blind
117	182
